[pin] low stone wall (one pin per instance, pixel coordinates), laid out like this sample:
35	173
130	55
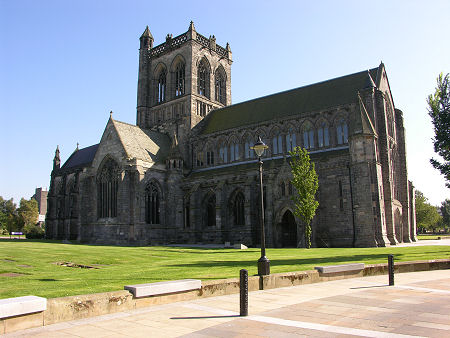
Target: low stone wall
84	306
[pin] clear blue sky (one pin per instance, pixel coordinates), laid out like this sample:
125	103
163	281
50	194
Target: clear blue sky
65	64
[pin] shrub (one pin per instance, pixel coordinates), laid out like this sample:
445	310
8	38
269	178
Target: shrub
33	232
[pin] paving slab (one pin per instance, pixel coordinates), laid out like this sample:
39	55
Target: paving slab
418	305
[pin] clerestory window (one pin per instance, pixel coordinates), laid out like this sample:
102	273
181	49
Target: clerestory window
342	132
308	137
322	135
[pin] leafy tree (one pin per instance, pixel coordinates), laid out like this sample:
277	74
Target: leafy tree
306	183
427	216
28	212
8	215
439	111
445	212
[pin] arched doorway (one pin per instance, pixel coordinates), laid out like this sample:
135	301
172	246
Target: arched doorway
288	230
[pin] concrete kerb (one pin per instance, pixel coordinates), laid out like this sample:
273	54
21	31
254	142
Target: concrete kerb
84	306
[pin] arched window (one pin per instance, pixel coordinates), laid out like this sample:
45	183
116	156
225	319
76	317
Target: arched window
210	157
308	136
203	80
282	188
322	135
179	79
291	141
107	186
152	201
342	132
220	87
238	209
211	211
162	86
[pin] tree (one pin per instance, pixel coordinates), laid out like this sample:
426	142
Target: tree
445	212
8	215
427	216
439	111
28	212
306	182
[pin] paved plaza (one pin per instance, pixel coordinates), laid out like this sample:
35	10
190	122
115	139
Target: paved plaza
418	305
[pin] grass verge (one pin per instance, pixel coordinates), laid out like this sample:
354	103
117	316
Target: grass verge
29	267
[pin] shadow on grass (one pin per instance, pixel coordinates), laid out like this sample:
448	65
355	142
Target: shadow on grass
293	261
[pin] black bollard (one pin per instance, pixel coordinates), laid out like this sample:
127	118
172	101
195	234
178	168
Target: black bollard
391	269
243	283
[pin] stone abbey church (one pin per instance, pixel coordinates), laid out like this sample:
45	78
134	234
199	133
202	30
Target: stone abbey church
185	173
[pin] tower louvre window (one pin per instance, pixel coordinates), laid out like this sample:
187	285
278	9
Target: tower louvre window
203	80
162	87
220	87
179	79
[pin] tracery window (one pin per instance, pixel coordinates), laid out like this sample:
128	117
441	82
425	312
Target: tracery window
203	80
220	87
238	209
277	145
211	211
342	132
323	135
209	158
152	202
308	136
290	140
162	86
107	187
179	79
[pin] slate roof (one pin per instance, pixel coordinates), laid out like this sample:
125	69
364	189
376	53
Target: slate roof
81	157
142	144
318	96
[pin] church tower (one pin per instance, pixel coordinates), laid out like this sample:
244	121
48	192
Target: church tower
181	81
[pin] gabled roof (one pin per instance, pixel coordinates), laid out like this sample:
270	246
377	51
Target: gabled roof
81	158
142	144
322	95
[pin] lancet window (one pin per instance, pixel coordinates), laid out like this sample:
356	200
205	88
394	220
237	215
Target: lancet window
107	187
277	144
291	141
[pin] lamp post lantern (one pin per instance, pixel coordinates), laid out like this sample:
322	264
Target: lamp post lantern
263	261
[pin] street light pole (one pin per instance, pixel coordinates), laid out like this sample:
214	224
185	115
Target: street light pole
263	261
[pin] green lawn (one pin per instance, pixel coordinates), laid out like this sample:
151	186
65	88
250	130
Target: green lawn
119	266
422	237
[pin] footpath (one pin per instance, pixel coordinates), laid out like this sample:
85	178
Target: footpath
418	305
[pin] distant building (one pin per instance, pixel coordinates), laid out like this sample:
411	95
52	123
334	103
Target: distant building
185	173
40	196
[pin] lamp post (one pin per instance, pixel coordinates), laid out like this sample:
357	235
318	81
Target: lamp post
263	261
